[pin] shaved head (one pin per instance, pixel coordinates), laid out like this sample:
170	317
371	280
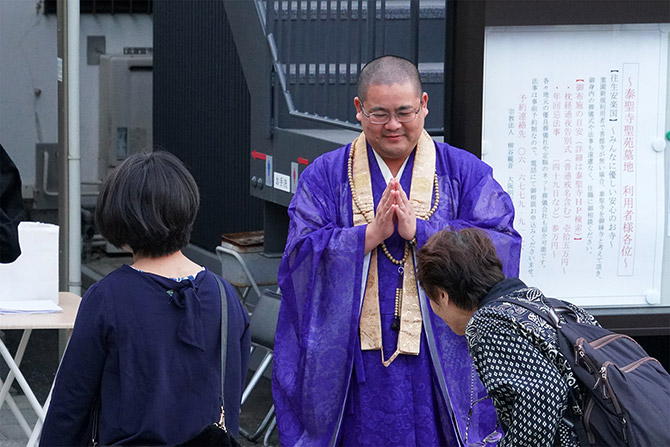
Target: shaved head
388	70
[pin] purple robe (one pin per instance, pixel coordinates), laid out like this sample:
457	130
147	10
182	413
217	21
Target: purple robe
326	390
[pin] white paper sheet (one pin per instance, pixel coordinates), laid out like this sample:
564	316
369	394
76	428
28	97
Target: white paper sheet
34	275
569	117
29	307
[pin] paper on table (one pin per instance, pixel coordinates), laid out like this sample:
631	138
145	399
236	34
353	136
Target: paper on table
29	307
34	275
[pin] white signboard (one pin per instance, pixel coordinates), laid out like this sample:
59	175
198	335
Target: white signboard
573	126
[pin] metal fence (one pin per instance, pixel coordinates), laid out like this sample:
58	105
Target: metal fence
318	48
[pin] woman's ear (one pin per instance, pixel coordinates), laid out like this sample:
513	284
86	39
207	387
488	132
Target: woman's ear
443	297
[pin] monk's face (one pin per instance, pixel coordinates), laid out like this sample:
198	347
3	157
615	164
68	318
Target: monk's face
393	140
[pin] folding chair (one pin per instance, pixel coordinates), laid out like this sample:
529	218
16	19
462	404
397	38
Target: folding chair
263	325
245	282
246	267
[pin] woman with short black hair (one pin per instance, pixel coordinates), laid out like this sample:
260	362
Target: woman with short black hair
143	366
149	204
510	346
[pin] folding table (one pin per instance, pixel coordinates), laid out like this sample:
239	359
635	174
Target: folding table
69	302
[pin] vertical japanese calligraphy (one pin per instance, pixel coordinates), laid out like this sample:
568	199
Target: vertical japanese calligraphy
628	171
591	201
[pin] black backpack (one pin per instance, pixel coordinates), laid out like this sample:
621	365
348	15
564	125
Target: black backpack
625	393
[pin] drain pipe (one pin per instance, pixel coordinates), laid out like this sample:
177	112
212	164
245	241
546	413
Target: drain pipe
74	150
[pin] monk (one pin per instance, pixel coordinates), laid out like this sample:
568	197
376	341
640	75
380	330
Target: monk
360	359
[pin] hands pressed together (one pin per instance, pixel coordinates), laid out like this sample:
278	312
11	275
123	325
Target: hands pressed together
394	209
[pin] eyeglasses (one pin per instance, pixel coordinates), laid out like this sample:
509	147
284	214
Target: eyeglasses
496	434
384	117
491	438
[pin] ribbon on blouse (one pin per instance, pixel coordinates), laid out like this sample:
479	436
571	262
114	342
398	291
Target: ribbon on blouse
421	190
185	296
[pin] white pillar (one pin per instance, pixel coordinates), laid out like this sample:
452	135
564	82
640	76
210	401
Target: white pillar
74	152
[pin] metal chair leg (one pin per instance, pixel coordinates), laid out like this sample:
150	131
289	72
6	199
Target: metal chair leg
261	428
265	363
269	431
257	376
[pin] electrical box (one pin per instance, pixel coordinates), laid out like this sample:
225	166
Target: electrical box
126	125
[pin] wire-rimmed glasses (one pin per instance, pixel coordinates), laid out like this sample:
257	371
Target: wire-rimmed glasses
379	117
493	437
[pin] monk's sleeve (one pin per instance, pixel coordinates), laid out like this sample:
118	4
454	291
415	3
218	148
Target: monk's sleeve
320	277
471	197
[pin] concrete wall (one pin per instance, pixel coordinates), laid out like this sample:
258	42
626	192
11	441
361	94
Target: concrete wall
28	84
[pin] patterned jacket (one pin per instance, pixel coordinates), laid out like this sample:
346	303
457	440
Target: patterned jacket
517	358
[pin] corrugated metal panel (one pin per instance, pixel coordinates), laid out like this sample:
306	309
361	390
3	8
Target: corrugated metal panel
201	113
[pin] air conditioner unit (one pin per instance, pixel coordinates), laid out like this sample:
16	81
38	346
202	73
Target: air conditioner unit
126	82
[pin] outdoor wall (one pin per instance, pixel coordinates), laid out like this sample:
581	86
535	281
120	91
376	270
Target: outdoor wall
28	85
208	124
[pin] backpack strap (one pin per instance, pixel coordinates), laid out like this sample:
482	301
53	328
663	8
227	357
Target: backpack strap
577	425
556	307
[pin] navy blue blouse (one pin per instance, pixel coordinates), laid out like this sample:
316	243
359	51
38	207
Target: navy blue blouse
148	349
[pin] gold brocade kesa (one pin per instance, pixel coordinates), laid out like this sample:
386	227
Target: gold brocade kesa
424	183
